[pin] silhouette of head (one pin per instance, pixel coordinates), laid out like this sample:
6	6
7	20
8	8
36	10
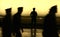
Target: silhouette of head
53	9
20	9
33	9
8	11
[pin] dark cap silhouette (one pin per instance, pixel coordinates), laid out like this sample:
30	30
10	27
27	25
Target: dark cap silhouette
8	10
53	9
20	8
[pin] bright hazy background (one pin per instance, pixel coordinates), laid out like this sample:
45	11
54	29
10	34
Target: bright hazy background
42	6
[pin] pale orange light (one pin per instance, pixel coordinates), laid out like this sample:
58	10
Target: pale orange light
42	6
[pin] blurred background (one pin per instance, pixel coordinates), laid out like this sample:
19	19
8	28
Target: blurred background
42	8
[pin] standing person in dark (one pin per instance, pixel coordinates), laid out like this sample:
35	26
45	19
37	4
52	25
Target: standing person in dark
50	29
33	22
6	29
17	22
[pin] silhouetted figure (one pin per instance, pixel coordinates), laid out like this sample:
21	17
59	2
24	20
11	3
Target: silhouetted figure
0	23
6	29
33	22
50	29
17	22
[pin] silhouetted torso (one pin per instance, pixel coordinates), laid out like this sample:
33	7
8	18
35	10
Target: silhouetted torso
16	21
50	21
33	14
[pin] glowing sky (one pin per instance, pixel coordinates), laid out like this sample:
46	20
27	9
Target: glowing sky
42	6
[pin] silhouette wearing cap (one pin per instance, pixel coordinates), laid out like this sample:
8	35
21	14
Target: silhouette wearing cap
50	29
17	22
6	29
33	22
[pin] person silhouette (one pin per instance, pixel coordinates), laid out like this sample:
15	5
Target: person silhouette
6	29
50	29
33	22
0	22
17	22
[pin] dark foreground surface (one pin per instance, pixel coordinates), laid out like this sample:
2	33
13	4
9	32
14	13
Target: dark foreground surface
27	33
